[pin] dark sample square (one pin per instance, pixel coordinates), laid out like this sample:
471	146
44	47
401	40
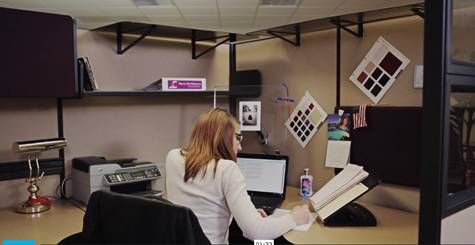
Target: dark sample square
311	127
299	113
307	133
376	73
307	122
375	91
303	128
299	133
384	79
311	106
296	118
292	124
369	83
307	112
303	138
296	129
362	77
299	123
390	63
303	118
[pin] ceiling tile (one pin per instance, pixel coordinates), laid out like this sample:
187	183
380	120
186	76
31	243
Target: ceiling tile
198	11
313	11
121	12
320	3
235	18
238	3
224	15
247	11
166	18
159	10
195	3
22	4
269	10
201	18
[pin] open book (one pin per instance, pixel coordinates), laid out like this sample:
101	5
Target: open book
346	186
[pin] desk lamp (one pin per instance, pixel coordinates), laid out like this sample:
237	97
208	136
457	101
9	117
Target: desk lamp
36	203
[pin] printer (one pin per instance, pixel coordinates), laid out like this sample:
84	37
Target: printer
93	173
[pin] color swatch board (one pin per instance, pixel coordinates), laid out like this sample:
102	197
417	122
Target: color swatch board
379	69
305	120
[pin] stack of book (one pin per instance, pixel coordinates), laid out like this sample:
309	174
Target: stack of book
89	81
345	187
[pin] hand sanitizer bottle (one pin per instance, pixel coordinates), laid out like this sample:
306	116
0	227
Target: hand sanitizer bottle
306	182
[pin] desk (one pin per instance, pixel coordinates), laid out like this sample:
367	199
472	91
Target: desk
64	219
50	227
394	226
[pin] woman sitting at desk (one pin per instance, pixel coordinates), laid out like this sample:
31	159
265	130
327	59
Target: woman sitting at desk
205	177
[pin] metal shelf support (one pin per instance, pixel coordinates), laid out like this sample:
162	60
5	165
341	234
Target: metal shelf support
343	24
120	33
282	34
194	40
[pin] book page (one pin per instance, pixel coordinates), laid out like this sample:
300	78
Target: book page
351	175
341	201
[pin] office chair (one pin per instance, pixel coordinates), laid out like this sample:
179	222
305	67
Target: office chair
120	219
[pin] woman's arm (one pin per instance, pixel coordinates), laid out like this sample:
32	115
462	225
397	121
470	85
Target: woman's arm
253	225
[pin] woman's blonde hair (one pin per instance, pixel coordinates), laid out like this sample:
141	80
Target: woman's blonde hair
211	139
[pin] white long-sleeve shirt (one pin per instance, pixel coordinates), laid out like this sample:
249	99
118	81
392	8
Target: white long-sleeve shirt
215	200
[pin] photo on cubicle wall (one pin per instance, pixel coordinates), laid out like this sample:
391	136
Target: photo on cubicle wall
250	115
339	126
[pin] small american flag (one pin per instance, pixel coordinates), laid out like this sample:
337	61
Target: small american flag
359	119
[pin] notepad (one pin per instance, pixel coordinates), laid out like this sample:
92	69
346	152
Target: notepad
278	212
338	153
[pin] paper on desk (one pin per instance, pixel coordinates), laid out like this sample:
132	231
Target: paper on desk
281	212
338	153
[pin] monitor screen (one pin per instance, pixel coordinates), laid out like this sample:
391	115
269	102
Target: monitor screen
263	174
38	54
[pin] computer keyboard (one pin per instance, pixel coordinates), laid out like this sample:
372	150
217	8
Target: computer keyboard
265	203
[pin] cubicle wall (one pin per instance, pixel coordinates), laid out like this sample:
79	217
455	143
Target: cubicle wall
312	67
148	127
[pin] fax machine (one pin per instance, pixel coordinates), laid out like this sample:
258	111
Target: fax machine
92	173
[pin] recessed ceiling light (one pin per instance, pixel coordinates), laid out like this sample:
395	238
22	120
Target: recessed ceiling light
279	2
152	2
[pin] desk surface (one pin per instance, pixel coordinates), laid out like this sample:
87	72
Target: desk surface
64	219
50	227
394	226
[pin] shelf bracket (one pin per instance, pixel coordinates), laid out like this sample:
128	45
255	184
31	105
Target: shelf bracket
343	24
419	11
120	32
194	55
282	34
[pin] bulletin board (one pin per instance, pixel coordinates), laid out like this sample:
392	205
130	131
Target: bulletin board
390	146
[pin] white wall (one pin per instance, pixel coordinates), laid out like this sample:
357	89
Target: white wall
458	228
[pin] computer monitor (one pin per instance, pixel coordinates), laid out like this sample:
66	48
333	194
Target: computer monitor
264	173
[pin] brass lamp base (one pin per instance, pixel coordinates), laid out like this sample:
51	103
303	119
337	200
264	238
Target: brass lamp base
27	208
35	204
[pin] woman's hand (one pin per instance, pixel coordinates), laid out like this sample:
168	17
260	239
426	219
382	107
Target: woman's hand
301	214
262	212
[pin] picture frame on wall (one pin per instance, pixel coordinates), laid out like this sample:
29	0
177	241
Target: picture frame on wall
250	115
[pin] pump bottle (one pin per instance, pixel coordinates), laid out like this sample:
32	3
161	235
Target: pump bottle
306	182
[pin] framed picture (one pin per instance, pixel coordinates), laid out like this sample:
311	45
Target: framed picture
250	115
